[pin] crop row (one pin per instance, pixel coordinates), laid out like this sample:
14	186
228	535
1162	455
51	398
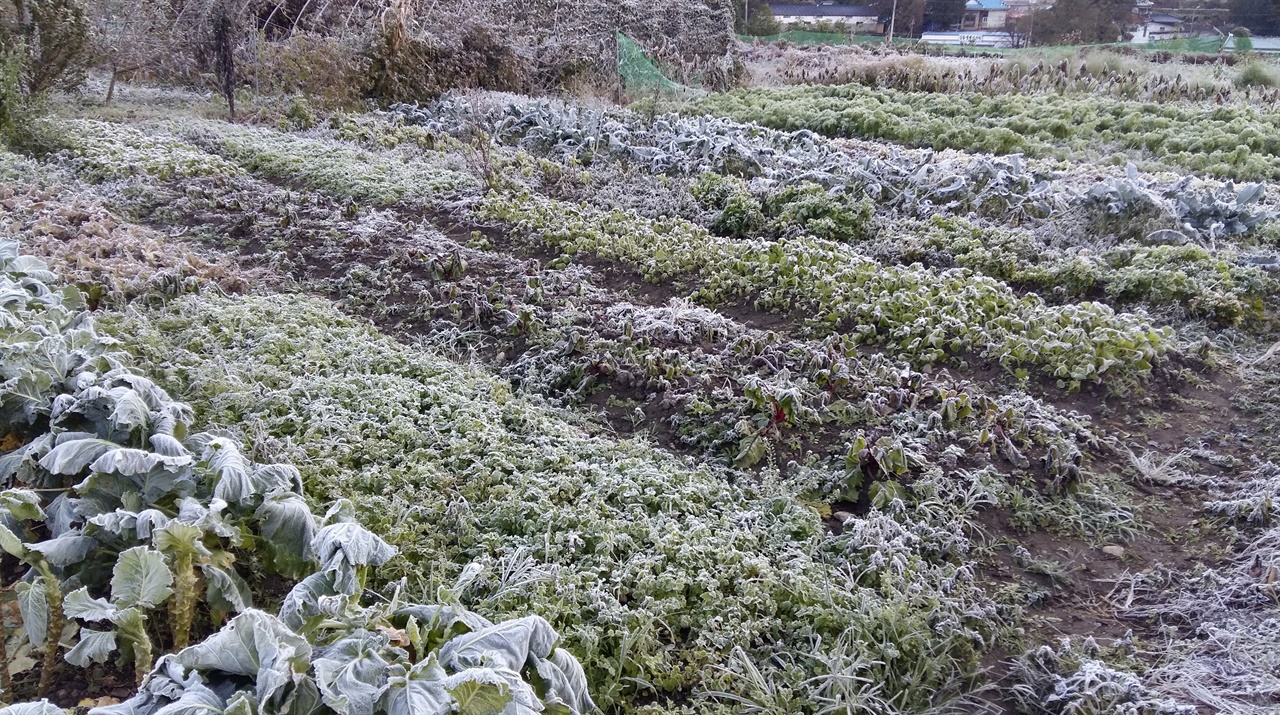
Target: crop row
1234	141
690	146
1004	190
927	315
1139	269
101	151
1184	277
343	170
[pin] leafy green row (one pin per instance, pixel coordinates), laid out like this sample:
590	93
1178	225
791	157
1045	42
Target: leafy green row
336	167
1236	141
121	515
1184	276
927	315
102	151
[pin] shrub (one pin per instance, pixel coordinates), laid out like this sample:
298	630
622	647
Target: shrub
410	64
1243	42
328	71
43	46
1255	75
55	35
13	107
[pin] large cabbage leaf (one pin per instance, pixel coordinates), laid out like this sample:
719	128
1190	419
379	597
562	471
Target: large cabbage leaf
302	602
288	528
253	644
566	682
233	483
352	674
79	604
43	707
33	604
141	578
510	644
343	546
94	647
66	550
420	691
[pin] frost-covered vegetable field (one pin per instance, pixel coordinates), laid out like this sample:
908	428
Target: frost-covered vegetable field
663	412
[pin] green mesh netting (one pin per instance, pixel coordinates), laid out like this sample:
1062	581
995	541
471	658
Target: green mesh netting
1188	44
642	78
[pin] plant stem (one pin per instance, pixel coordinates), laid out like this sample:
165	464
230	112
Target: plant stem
142	658
53	594
4	657
182	607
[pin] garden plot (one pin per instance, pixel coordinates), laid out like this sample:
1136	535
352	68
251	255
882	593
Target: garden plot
823	496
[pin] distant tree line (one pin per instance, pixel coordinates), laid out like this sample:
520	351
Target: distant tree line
1261	17
1077	22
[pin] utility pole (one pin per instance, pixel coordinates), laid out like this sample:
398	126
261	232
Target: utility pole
893	18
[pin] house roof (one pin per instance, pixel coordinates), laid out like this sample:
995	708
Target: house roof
1260	44
801	10
985	5
1161	18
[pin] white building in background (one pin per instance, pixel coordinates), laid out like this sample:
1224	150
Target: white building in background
857	17
1158	26
984	15
974	38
